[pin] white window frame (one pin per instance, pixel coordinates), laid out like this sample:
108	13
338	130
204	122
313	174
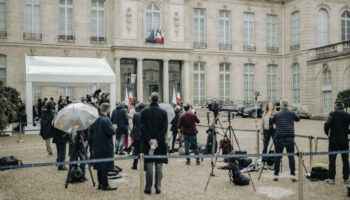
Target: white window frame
153	11
271	32
249	82
322	27
224	29
3	66
296	28
224	70
249	30
199	97
272	82
3	30
345	35
296	84
96	36
199	14
66	6
29	29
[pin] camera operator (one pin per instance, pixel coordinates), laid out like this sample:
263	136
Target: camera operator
284	136
187	123
78	143
104	131
337	130
46	128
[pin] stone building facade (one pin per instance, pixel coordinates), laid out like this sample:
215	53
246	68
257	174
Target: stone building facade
227	49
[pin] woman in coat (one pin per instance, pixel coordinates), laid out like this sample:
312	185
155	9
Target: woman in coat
60	138
267	131
46	128
136	133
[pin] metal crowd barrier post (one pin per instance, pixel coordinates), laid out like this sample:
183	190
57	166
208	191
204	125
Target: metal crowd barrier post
310	150
301	176
316	144
142	177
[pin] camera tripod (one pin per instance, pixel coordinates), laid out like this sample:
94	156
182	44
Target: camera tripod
231	132
296	146
79	152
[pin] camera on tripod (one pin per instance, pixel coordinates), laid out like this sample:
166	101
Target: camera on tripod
214	106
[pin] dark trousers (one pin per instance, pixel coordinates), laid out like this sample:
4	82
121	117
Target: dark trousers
91	147
333	158
288	143
174	140
137	149
191	139
102	177
76	151
61	153
149	175
268	134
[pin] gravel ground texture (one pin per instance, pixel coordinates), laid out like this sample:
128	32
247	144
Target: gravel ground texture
179	180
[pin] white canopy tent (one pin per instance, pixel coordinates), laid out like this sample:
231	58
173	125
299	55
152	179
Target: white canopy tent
66	71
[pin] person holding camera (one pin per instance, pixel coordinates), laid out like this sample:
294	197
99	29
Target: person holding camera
104	131
173	128
337	130
187	123
284	136
154	127
46	128
121	119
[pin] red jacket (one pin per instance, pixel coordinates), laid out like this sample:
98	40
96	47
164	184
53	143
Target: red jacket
188	122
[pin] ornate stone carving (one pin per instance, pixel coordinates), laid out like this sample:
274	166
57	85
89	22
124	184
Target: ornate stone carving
128	19
199	4
66	52
200	58
225	7
225	59
250	60
98	53
273	61
295	59
32	51
176	22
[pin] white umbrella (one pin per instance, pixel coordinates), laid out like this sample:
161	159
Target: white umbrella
169	110
76	116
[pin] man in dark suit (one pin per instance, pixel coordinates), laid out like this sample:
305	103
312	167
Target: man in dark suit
121	119
154	127
104	131
337	130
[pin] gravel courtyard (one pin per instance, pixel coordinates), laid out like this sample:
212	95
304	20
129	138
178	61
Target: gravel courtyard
179	181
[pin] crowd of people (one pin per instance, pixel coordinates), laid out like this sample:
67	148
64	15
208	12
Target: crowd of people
148	135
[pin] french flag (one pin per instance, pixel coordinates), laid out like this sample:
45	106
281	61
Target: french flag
159	37
131	98
178	98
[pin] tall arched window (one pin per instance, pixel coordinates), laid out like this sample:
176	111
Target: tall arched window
322	27
327	91
345	26
248	83
199	83
296	83
152	18
3	68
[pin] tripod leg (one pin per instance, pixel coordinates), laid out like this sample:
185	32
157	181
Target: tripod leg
234	135
262	169
67	180
89	167
302	160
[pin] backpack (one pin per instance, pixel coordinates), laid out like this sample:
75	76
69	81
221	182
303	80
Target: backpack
236	176
319	171
209	146
10	160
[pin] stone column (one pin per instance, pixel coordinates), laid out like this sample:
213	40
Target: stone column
166	81
29	103
186	81
139	78
117	77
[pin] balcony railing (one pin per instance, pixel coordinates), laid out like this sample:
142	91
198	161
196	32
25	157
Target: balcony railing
3	34
66	37
199	45
223	46
272	49
295	47
249	47
32	36
329	51
97	39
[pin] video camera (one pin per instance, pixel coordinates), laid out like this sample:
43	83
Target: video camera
214	106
